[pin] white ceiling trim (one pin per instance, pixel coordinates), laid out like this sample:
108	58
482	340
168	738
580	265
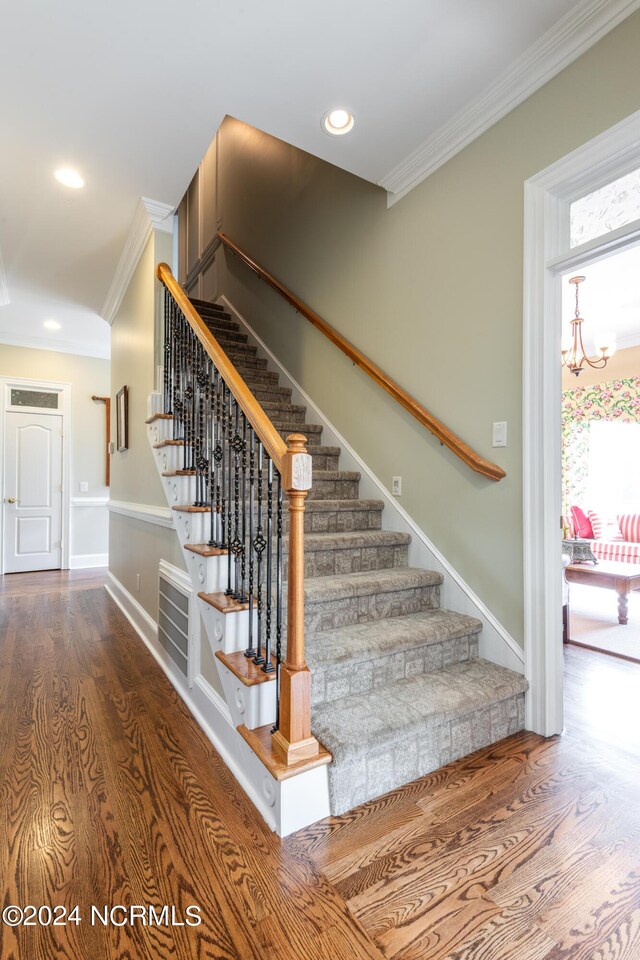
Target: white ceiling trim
4	292
59	346
575	33
149	214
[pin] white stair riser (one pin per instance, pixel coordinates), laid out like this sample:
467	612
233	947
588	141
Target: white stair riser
209	574
160	430
169	458
192	527
254	706
226	632
179	490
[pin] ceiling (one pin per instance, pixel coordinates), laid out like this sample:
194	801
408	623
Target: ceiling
132	95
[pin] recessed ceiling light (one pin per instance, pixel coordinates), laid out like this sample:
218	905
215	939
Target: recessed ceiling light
69	178
337	122
51	324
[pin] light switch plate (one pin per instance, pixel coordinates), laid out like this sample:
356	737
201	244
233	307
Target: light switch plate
500	434
396	486
84	486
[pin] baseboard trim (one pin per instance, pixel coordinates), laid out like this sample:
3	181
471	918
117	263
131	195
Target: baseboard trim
206	705
82	561
497	644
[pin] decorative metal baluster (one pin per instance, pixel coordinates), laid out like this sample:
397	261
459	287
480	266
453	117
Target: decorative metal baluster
166	402
201	457
211	429
236	545
268	666
278	597
259	545
224	535
229	591
190	400
243	535
217	528
192	380
178	403
250	651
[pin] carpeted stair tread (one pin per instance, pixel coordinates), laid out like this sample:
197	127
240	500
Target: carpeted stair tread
405	707
366	641
367	583
354	539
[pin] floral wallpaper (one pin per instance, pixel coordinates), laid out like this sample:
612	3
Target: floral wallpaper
613	400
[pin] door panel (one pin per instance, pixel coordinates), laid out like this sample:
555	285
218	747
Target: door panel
33	492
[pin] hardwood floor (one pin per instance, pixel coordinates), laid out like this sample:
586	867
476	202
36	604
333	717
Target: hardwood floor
111	794
528	849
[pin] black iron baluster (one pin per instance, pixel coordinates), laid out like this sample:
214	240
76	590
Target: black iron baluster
178	404
250	651
243	535
229	591
223	473
201	458
259	545
236	545
217	528
278	596
166	403
268	666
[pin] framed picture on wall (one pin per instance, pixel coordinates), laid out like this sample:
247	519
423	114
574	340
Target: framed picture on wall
122	419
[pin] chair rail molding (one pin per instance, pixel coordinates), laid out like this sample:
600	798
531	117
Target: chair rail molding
546	255
147	512
149	215
569	38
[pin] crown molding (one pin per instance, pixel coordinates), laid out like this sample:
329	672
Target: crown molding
568	39
149	215
159	214
4	292
77	347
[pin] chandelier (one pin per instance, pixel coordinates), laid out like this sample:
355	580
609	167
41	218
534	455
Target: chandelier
574	356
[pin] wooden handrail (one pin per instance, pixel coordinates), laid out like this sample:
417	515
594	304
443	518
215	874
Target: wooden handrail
267	433
422	415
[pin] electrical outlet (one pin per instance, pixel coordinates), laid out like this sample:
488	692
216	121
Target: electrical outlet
396	486
500	434
138	582
84	486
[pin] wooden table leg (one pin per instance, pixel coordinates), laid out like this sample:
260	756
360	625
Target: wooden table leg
623	608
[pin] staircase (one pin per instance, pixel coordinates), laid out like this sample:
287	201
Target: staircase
398	689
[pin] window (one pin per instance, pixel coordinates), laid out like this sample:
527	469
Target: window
606	209
613	475
34	398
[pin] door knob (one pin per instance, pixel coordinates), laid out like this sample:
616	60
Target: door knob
11	499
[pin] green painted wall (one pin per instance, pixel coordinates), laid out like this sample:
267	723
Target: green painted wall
430	289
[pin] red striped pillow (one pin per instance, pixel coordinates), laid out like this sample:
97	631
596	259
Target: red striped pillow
629	524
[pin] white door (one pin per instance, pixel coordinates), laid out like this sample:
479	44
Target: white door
33	492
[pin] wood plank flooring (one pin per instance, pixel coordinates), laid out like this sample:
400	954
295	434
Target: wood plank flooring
110	794
529	849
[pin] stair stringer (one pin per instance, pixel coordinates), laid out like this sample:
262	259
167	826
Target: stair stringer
286	805
496	643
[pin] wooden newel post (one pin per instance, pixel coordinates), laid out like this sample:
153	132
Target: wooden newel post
293	740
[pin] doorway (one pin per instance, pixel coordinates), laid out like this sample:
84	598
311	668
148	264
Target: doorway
33	476
550	252
601	451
